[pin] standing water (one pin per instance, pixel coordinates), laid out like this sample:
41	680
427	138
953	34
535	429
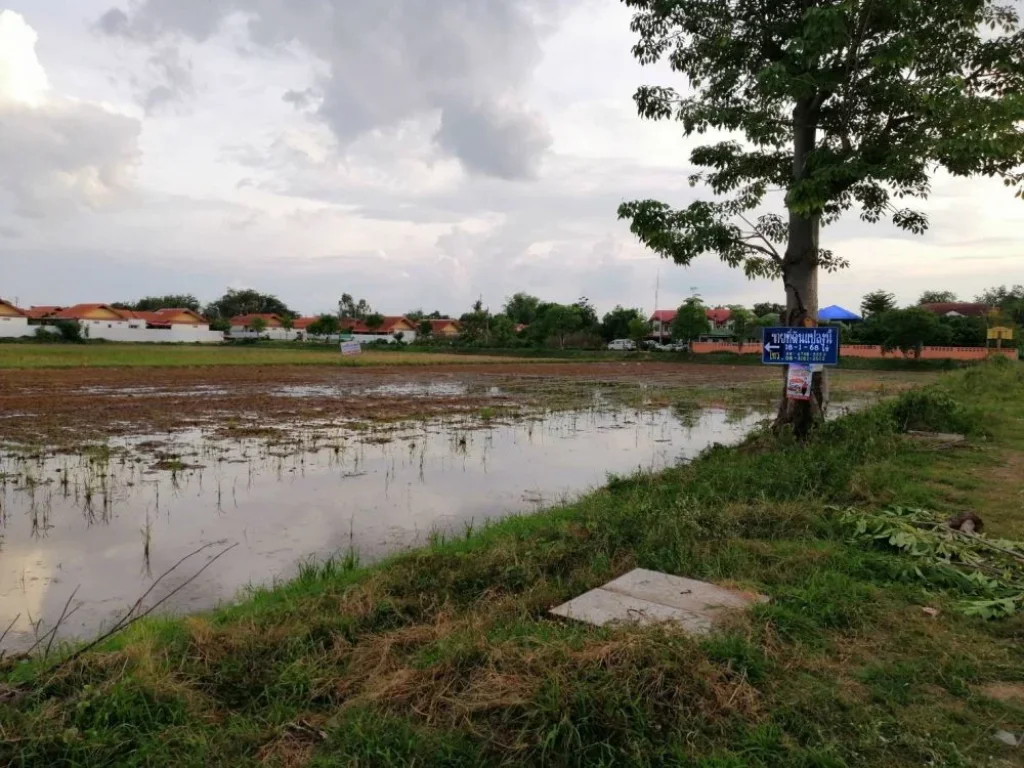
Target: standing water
108	523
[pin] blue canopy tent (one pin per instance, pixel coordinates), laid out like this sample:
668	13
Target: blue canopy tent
836	314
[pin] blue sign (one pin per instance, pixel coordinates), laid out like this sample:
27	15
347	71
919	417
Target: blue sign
810	346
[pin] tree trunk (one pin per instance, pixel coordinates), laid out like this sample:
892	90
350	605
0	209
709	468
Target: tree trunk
800	277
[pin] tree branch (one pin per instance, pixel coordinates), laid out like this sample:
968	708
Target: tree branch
770	250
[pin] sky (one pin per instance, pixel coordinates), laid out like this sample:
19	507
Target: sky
420	155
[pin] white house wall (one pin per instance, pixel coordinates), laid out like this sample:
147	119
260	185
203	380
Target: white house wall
136	331
14	327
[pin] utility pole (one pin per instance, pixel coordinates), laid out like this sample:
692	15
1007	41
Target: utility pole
661	325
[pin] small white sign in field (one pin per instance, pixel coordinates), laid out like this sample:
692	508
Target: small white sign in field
350	348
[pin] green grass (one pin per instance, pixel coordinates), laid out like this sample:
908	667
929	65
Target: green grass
160	355
892	363
447	656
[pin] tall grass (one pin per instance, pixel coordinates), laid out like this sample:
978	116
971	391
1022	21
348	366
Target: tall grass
159	355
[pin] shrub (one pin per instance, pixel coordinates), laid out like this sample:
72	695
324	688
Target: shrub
933	410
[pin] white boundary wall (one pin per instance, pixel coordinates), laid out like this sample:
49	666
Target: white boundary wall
14	327
136	331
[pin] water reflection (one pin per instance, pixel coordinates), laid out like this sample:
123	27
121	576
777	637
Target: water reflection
105	521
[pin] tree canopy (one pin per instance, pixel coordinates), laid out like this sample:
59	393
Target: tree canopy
246	302
768	308
691	320
936	297
616	324
1009	302
350	309
910	329
834	104
877	302
521	308
153	303
324	325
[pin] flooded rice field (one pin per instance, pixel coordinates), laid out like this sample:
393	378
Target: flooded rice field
102	519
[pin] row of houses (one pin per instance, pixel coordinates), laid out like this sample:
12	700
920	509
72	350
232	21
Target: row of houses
393	328
102	321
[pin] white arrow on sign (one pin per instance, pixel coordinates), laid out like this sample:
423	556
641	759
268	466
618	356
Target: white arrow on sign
771	347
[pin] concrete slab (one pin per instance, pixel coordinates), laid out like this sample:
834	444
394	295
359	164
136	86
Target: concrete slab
646	597
600	607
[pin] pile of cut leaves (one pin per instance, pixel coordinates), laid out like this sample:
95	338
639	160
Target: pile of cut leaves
988	572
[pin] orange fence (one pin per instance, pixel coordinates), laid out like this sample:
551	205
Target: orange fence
864	350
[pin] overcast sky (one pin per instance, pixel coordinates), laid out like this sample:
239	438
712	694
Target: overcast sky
417	154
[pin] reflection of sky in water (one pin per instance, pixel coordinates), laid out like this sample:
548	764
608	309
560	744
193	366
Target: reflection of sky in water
402	389
87	530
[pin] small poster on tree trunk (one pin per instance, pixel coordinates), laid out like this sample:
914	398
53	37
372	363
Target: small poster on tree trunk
798	382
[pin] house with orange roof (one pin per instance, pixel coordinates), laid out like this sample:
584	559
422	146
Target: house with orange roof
393	328
42	312
446	328
103	321
13	321
273	327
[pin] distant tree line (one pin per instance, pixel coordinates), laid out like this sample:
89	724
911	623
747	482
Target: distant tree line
525	320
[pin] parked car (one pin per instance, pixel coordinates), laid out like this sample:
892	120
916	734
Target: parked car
672	346
622	345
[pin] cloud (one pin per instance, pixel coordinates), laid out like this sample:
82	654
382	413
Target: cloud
389	61
55	154
170	81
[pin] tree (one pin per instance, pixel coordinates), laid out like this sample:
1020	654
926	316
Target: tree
374	321
999	295
424	329
836	105
349	309
910	329
765	308
287	322
246	302
258	325
966	331
1009	302
936	297
415	315
153	303
560	320
503	330
324	325
521	308
742	322
877	302
588	314
691	321
637	330
616	324
766	321
476	324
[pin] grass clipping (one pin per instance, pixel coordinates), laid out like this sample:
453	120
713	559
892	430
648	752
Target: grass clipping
988	572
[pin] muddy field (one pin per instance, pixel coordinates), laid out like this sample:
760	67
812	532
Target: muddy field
65	408
110	476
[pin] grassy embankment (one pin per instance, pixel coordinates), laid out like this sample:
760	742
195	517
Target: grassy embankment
447	656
